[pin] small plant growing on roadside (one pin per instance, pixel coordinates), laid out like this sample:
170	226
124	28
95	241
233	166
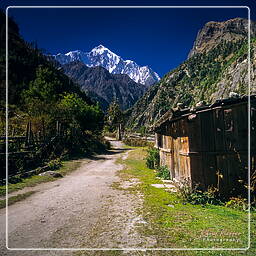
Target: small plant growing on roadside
54	164
153	158
163	173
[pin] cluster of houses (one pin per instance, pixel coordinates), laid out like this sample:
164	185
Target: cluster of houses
208	145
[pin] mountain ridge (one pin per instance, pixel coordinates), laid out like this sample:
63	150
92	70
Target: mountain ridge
102	56
104	86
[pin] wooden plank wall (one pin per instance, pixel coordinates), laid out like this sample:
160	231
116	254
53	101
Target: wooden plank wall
233	162
211	147
224	138
175	149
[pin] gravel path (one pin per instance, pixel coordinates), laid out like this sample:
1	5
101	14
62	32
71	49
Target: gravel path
81	210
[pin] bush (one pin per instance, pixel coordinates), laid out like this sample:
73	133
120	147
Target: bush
206	197
153	158
164	173
142	131
184	190
195	196
237	203
54	164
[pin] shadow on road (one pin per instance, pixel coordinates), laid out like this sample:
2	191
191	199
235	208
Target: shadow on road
112	151
118	150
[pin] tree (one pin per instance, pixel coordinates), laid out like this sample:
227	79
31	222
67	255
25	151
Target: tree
43	92
114	119
50	98
79	114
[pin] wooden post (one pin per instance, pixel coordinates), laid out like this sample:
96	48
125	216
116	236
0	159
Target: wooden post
27	131
31	135
28	134
60	132
43	129
118	133
57	127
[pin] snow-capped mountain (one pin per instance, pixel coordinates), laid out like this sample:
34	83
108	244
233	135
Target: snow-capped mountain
102	56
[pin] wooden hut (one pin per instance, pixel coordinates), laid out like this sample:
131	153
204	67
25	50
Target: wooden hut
208	145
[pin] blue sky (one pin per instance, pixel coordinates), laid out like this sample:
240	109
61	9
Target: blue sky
159	38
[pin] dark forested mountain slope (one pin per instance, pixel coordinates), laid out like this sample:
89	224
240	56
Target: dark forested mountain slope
56	116
24	59
39	93
211	73
103	86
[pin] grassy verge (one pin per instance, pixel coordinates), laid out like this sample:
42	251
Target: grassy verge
68	166
178	225
14	199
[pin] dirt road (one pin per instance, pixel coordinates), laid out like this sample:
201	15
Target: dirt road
81	210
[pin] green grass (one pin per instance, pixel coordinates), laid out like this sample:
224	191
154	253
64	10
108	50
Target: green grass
68	166
14	199
186	225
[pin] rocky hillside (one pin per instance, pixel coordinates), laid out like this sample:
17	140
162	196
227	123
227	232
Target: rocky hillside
103	86
211	73
215	32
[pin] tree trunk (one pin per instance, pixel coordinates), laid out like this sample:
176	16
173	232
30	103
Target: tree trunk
118	132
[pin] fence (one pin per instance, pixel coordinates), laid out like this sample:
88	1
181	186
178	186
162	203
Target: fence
29	151
139	140
146	137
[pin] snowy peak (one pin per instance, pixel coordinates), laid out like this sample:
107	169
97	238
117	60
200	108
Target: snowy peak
100	50
100	47
102	56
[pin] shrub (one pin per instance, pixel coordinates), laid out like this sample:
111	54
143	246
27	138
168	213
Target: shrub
206	197
54	164
163	172
195	196
237	203
143	131
153	158
184	190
